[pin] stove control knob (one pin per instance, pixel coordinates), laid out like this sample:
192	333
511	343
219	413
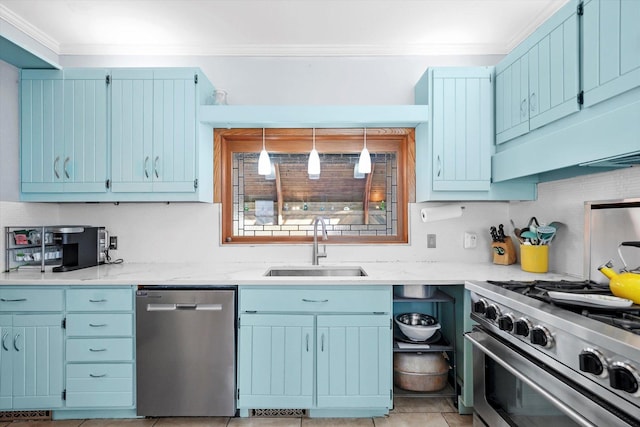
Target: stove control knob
593	362
522	327
505	322
623	376
480	306
541	336
492	313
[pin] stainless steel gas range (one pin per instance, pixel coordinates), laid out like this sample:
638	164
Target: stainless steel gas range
540	361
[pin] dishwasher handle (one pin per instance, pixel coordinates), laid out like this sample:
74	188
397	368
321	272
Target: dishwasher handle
183	306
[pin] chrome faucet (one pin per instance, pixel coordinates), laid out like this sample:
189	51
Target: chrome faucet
317	255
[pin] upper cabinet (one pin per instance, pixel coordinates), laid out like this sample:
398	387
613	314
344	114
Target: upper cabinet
538	82
115	135
611	48
64	131
453	151
153	131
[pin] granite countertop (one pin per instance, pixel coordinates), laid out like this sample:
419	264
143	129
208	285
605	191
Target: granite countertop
379	273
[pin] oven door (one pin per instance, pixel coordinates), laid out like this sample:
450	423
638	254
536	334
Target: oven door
510	389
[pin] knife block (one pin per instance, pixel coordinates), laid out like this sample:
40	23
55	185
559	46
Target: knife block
504	253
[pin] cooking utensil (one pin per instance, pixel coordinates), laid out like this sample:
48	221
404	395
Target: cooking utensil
414	291
624	263
494	233
417	326
546	234
420	371
531	236
623	285
501	235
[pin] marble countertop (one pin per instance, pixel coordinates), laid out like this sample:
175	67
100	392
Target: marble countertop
378	273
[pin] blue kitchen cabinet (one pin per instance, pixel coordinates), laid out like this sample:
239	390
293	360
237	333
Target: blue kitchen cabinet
322	348
31	348
611	48
538	82
454	149
154	130
63	131
353	361
276	361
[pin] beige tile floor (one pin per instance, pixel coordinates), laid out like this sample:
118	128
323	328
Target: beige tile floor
408	412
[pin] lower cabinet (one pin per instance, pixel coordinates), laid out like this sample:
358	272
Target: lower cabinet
317	357
31	358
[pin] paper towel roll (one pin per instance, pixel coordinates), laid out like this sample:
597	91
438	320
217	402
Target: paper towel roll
438	213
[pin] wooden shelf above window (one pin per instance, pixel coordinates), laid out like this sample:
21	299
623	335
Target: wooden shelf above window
307	116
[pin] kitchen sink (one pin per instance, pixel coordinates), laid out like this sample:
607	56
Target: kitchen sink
315	271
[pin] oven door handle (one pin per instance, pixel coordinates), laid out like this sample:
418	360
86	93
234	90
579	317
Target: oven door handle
476	337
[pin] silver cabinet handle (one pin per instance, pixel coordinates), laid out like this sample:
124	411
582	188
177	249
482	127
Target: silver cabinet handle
523	108
322	342
97	325
146	163
55	167
532	102
98	300
173	307
307	343
64	167
12	300
439	165
4	341
96	350
15	342
314	300
97	376
155	166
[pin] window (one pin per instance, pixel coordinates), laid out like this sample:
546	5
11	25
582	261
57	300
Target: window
281	206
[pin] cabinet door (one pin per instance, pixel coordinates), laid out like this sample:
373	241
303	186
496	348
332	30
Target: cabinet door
6	363
354	361
42	131
174	131
553	70
512	98
275	361
610	53
462	131
37	361
132	130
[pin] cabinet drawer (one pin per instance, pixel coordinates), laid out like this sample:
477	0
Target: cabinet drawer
320	300
99	299
99	324
13	299
100	385
99	350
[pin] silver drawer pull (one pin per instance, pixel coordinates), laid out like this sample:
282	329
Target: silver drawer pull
12	300
4	341
98	300
97	376
315	300
161	307
15	342
209	307
96	350
97	325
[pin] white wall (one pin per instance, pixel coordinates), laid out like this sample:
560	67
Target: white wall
563	201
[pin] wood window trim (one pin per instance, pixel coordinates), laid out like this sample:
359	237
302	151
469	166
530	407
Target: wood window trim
228	141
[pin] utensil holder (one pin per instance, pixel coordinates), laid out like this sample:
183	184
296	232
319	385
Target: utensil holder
534	258
504	253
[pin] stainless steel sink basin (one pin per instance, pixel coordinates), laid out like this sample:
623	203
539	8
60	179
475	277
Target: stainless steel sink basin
315	271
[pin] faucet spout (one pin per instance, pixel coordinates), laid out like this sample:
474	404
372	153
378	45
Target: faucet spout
317	255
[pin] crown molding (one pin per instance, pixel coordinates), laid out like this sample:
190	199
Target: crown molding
30	30
527	30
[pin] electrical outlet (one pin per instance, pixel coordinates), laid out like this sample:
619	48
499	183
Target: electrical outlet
431	240
113	243
470	240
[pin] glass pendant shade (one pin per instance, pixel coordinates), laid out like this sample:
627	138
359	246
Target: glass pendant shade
264	163
313	168
364	162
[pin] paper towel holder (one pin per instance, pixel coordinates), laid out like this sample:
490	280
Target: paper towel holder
441	212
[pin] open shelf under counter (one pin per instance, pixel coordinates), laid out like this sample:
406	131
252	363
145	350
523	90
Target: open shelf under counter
448	391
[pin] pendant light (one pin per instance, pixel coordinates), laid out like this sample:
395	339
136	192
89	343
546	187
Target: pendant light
264	163
364	162
313	167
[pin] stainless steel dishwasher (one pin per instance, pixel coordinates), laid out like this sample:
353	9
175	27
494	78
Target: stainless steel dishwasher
185	352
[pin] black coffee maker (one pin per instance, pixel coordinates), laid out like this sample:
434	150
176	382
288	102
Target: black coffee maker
82	246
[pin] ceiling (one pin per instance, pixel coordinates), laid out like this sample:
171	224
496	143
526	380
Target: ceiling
278	27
